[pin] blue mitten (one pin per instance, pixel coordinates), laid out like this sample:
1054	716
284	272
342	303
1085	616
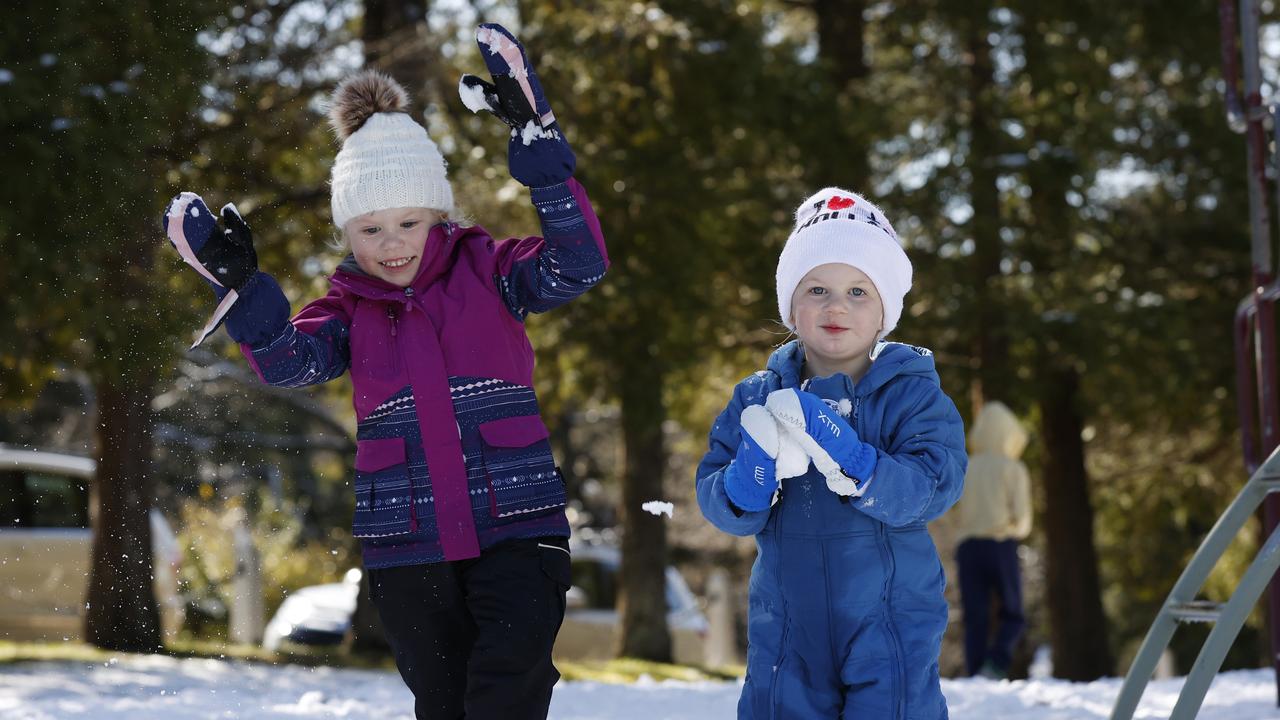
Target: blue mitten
538	155
223	255
752	479
840	455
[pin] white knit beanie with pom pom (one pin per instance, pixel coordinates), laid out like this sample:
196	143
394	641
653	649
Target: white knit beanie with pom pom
387	159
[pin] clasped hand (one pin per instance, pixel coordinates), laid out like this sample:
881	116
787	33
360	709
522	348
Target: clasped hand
781	437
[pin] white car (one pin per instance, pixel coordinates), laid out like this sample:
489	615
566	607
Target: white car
321	614
315	615
46	548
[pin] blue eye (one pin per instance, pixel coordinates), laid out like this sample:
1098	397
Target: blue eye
408	224
817	291
371	230
858	292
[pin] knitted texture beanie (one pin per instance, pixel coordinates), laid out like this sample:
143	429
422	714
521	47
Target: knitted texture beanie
837	226
387	159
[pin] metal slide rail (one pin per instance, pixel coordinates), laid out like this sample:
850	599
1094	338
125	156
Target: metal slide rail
1182	605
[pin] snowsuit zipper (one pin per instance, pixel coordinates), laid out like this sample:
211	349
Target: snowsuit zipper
886	553
775	682
899	681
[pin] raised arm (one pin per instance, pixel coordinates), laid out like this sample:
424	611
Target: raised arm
537	273
311	348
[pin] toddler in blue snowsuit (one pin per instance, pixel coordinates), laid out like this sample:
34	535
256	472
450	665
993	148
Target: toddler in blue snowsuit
846	595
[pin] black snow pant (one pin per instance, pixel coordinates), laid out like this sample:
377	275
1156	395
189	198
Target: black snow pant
472	638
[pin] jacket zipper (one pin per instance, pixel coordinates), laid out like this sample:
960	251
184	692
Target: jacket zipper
395	359
393	318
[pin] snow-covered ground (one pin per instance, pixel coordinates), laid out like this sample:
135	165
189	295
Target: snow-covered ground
164	688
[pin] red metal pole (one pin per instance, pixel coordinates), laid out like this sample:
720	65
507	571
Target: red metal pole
1246	398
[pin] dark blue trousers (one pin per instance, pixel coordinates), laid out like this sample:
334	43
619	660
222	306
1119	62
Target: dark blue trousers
990	568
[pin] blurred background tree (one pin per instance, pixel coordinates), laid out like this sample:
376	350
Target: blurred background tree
92	120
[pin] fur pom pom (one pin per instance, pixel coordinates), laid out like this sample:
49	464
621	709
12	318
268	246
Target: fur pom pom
361	95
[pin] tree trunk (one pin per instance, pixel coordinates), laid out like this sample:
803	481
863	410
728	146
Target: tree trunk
840	36
122	612
990	337
642	600
1078	626
841	47
393	44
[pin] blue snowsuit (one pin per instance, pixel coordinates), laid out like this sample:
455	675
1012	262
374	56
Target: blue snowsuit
846	595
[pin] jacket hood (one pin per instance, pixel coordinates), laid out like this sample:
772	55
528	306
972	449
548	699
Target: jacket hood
439	254
996	430
349	266
891	360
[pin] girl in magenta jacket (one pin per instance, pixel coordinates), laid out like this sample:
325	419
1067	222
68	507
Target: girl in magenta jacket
459	504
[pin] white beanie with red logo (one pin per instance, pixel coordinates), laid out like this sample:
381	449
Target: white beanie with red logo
837	226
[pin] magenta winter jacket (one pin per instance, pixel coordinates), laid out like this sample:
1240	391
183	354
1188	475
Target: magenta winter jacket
452	455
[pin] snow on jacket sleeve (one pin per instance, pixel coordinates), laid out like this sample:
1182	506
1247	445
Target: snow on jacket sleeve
723	447
537	274
921	472
311	348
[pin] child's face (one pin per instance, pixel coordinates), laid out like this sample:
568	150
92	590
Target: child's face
388	244
837	314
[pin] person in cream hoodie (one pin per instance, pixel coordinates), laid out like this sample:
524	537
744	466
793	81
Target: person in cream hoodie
993	515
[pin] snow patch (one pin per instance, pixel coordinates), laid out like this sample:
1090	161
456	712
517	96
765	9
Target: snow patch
532	131
472	96
492	39
159	687
658	507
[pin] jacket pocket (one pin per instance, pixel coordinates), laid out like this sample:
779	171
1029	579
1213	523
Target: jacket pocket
384	490
556	561
521	472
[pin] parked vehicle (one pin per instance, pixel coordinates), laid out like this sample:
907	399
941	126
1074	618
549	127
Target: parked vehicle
46	548
321	614
314	615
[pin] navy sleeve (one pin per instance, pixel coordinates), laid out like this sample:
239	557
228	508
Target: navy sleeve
311	348
537	274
